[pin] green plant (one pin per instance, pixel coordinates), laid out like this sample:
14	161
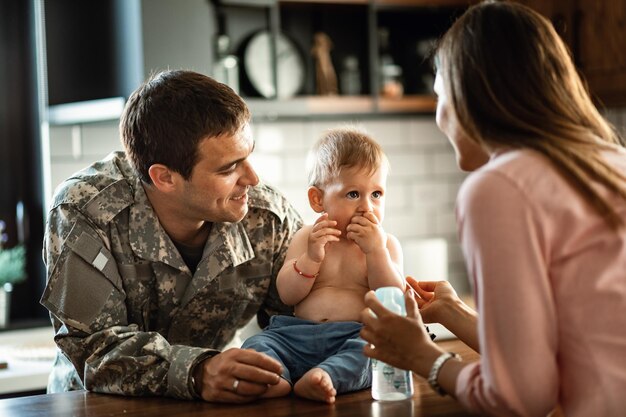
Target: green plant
12	261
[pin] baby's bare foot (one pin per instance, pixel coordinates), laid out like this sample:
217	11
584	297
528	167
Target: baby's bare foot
317	385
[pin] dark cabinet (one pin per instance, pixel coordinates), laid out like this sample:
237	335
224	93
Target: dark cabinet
601	48
595	32
93	58
92	49
380	51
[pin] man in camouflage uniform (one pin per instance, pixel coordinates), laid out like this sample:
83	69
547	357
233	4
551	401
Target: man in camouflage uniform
156	256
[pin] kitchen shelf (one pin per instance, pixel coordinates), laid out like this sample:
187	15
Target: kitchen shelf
363	2
411	3
408	104
86	111
339	105
425	3
355	28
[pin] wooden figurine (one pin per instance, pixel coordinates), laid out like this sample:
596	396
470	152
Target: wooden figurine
325	76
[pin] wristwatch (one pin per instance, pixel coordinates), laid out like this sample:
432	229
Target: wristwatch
436	368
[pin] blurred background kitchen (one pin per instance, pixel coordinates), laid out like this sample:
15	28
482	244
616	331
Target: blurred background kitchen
67	67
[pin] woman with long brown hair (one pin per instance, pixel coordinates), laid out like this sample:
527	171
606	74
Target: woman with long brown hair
542	223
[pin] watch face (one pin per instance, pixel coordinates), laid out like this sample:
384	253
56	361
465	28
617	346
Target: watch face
257	62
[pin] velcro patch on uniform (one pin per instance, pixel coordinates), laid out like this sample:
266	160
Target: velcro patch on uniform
94	253
100	261
79	292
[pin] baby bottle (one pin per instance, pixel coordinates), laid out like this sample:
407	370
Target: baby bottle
389	383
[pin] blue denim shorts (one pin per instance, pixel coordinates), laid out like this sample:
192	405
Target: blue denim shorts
300	345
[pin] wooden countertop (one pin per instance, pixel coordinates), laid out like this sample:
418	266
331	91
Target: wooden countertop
82	403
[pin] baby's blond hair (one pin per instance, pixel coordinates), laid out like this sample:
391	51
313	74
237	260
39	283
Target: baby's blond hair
343	147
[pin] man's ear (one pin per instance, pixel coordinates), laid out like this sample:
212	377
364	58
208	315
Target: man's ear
315	199
162	177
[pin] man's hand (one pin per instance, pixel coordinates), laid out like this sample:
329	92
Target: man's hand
366	231
215	377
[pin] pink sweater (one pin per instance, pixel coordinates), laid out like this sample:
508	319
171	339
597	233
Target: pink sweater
549	280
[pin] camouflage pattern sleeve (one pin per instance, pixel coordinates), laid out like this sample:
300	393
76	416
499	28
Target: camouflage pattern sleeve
86	298
286	229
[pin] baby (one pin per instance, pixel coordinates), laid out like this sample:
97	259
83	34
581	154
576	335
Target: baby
329	267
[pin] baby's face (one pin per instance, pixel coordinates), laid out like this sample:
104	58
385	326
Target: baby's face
353	192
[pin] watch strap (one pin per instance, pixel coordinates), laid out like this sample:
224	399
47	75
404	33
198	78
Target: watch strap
436	368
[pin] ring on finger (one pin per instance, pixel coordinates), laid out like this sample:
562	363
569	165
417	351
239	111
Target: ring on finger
235	385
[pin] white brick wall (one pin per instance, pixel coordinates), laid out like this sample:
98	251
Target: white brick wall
422	187
407	164
75	147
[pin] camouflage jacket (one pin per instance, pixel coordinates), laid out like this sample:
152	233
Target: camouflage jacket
129	316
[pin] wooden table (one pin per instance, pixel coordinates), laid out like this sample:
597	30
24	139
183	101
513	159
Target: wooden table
86	404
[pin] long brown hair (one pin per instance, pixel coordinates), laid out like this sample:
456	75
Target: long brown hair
512	83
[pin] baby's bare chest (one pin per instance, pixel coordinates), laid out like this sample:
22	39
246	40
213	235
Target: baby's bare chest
343	266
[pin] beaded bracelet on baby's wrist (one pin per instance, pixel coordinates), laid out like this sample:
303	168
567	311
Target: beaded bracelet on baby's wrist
295	268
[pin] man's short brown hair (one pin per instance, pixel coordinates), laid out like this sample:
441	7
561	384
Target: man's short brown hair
165	119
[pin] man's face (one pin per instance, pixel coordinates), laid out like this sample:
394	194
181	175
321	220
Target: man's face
217	190
354	192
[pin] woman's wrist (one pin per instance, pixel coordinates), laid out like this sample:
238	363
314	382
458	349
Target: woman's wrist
433	375
454	311
461	320
428	354
447	372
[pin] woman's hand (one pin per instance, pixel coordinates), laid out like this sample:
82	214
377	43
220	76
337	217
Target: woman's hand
398	341
434	298
439	303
